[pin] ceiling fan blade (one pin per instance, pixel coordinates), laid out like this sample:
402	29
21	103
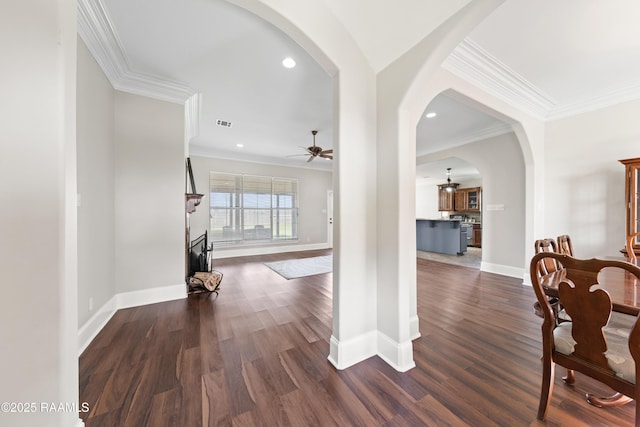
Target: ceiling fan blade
310	158
326	156
297	155
330	151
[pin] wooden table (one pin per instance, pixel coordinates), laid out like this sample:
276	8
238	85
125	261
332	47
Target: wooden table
622	286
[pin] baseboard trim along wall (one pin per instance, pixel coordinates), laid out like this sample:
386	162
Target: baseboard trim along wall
94	325
346	353
219	253
398	355
504	270
414	327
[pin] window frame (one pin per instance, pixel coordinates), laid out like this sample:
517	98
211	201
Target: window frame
238	208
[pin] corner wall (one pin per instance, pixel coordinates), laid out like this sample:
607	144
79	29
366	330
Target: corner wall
96	162
149	193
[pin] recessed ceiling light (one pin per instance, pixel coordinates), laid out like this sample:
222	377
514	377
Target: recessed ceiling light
430	115
239	145
288	62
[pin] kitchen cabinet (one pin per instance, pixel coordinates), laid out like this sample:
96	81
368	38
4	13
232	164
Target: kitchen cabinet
460	204
473	199
476	240
446	199
467	200
632	197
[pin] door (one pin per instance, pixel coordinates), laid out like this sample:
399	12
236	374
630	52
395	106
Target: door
330	218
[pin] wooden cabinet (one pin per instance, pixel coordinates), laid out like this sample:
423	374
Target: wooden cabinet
461	200
468	200
632	197
473	199
445	198
476	239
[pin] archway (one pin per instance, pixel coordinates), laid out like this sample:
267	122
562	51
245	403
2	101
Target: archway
323	37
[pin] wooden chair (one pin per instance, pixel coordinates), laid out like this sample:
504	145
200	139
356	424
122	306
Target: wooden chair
631	254
590	343
564	245
546	266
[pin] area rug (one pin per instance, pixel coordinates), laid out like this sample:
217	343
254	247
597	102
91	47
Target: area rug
293	268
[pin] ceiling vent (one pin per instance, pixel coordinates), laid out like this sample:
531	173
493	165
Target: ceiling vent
223	123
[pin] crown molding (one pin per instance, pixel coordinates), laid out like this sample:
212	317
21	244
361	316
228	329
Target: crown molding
97	32
629	93
472	63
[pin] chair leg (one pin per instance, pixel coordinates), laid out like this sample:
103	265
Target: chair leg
570	378
548	371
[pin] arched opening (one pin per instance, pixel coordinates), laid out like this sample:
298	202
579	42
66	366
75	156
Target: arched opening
484	153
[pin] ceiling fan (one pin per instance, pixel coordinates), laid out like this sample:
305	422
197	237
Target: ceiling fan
315	151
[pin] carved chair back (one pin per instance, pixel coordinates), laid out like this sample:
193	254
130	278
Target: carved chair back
564	245
583	343
546	266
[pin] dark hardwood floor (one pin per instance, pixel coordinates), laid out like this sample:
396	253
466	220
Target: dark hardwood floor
257	356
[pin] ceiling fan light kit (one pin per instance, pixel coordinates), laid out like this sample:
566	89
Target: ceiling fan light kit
316	151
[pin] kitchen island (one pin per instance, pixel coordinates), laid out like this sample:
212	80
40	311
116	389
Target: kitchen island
446	236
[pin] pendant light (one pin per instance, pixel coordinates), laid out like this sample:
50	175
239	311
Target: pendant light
449	186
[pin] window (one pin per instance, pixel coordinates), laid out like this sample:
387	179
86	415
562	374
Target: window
247	208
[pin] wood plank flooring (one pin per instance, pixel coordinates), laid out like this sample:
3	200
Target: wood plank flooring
257	356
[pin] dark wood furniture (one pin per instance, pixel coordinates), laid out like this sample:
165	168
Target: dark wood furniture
632	197
546	266
460	200
589	343
476	239
446	198
467	200
631	253
564	245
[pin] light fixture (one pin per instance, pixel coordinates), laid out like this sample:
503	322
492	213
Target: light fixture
288	62
431	115
239	145
449	186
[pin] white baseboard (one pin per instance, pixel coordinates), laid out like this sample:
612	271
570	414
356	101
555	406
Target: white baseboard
504	270
151	296
343	354
219	253
94	325
414	327
398	355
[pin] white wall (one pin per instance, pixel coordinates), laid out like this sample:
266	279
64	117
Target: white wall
96	160
38	314
313	186
149	193
584	182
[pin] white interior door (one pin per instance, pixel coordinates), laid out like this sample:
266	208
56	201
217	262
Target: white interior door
330	218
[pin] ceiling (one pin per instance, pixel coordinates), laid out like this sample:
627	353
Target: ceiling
549	58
